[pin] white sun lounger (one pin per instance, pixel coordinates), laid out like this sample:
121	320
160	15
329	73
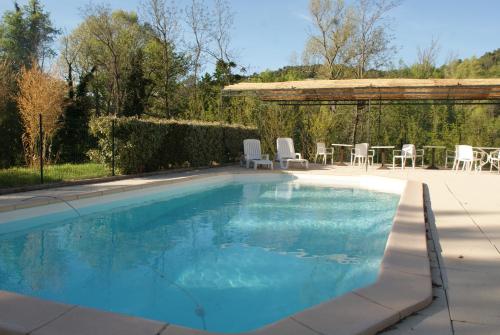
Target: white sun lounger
253	155
286	153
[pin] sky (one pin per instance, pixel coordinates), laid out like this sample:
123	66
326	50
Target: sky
268	32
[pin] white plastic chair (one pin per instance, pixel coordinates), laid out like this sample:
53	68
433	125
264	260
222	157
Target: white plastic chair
452	155
419	153
286	153
494	159
467	157
323	151
371	155
253	155
408	151
361	154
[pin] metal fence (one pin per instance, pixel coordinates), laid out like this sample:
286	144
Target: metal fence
63	161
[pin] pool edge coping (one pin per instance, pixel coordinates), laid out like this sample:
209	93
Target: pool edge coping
402	288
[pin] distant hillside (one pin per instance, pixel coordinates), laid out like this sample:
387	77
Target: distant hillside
490	60
488	65
287	73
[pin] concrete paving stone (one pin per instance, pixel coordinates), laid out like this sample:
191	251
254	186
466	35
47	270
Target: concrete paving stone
282	327
285	327
86	321
435	324
439	303
348	314
407	239
466	328
474	296
400	261
472	264
401	292
178	330
21	314
419	324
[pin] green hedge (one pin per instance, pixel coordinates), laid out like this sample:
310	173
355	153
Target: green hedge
144	145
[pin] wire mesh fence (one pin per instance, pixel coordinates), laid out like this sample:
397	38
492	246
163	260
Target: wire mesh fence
62	159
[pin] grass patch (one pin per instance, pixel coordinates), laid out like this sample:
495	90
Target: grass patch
23	176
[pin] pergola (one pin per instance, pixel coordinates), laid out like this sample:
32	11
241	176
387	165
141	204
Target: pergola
364	92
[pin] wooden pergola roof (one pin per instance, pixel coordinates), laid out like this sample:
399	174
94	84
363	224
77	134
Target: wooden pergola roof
370	89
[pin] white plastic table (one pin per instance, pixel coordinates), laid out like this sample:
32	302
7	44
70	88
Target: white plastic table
382	154
341	149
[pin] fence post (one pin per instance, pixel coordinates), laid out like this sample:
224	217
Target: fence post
40	151
113	147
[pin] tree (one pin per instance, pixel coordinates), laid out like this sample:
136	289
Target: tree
69	54
426	60
39	93
330	43
372	41
72	140
135	86
10	125
106	42
199	23
6	82
165	69
26	35
168	64
221	32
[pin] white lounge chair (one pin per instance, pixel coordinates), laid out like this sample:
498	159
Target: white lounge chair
467	157
323	151
286	153
408	151
361	154
253	155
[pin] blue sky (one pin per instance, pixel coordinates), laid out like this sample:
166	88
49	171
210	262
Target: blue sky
267	32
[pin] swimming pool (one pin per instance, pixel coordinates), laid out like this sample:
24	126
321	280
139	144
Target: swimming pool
225	255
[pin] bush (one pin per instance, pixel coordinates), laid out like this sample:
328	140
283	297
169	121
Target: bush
143	145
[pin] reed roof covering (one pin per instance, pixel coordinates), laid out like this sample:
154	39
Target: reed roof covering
370	89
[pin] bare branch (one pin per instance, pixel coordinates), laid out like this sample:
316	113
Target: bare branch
221	31
199	24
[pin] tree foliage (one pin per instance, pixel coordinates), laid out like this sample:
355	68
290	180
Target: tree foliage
39	94
26	35
10	124
26	38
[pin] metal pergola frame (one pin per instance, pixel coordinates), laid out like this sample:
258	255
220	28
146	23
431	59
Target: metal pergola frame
387	102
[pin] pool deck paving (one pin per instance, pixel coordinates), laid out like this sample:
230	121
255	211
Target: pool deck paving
463	214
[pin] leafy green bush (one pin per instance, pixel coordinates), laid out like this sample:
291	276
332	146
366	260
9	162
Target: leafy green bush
143	145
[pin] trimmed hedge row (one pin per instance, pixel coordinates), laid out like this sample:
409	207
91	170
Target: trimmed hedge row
145	145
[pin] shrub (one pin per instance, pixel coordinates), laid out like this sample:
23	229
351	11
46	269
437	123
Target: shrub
143	145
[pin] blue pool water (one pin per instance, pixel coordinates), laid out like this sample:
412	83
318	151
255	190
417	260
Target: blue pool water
229	258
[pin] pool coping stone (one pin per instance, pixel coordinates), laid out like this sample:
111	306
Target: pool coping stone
402	288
